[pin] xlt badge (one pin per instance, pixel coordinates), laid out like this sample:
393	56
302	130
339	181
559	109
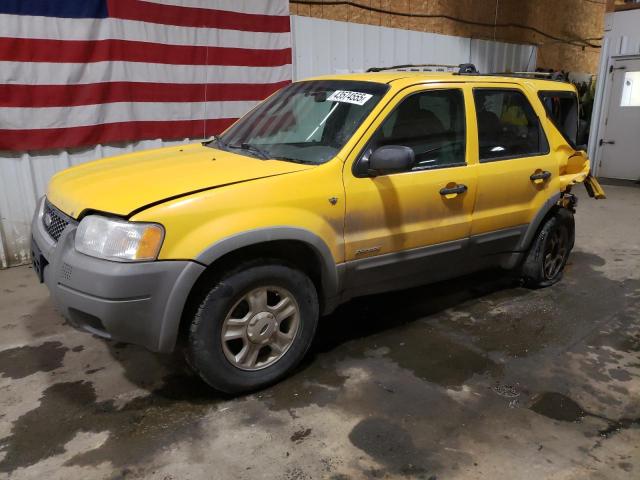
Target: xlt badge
364	251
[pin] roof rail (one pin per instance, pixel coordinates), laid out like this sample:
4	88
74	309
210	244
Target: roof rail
428	67
467	69
556	76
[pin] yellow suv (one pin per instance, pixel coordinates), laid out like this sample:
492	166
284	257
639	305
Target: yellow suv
333	187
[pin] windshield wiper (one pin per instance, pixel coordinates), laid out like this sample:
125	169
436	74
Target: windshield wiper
214	138
251	148
260	152
295	160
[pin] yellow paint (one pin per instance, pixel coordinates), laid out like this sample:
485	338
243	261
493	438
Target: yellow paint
596	190
124	183
372	215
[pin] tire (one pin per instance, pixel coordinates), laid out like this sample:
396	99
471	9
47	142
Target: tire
549	251
271	308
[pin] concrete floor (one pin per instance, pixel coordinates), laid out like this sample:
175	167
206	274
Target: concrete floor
475	378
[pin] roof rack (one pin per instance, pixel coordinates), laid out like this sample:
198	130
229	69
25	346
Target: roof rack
428	67
467	69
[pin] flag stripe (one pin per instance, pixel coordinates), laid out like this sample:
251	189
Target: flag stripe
112	28
29	73
247	6
15	118
110	133
196	17
76	51
110	92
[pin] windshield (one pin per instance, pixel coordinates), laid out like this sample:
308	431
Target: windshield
305	122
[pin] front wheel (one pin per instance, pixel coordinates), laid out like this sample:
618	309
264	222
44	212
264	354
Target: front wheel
549	251
253	326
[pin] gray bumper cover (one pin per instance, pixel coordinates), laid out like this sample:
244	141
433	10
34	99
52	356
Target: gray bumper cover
137	303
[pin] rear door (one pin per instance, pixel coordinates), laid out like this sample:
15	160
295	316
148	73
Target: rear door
517	171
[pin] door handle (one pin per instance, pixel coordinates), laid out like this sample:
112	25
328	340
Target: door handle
455	190
606	142
544	175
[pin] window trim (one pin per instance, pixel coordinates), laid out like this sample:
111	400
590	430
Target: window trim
359	158
565	94
540	125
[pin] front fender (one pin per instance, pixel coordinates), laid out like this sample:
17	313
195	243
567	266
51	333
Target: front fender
331	273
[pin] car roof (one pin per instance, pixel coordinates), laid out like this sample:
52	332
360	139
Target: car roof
402	79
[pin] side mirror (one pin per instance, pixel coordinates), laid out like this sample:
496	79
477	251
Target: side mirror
391	159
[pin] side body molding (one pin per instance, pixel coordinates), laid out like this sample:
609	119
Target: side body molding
331	273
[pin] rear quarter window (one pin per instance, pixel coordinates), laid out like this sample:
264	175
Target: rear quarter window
562	110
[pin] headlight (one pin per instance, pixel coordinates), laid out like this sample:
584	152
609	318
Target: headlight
119	240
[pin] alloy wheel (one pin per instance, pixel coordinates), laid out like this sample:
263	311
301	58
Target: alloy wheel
260	328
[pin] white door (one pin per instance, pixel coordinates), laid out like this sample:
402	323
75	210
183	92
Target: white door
619	143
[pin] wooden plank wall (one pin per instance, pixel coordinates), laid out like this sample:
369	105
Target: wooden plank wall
566	19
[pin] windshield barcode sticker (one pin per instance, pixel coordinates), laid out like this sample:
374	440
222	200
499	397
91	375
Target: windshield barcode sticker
346	96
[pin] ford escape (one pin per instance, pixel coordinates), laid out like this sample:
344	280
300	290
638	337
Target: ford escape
332	188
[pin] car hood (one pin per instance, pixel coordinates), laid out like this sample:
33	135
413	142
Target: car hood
128	183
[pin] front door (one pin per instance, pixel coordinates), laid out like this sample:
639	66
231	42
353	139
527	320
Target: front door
619	143
411	227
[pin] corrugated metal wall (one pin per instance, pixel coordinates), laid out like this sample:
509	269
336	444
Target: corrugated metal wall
320	47
327	46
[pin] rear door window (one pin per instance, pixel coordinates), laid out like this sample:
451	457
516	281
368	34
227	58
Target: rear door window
508	127
562	108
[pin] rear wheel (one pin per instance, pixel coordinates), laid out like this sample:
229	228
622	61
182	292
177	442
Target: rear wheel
253	326
549	251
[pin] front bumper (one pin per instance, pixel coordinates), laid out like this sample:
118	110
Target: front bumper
137	303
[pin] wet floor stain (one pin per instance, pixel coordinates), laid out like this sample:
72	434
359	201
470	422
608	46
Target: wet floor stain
616	426
390	445
21	362
435	357
558	407
136	431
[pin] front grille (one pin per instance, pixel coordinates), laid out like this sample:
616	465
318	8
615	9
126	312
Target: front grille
54	221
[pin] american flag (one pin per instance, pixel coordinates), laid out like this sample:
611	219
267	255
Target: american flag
87	72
